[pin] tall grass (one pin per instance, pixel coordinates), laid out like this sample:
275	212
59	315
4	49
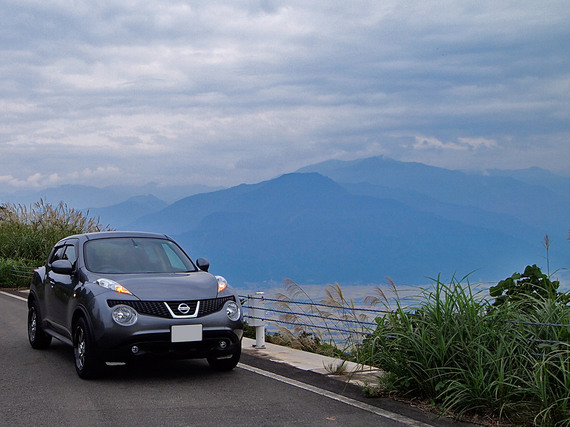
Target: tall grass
27	233
548	325
467	358
452	347
333	326
16	273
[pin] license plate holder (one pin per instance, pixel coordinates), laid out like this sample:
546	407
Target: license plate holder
186	333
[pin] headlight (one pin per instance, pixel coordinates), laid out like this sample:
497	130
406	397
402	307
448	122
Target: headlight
114	286
233	311
124	315
222	283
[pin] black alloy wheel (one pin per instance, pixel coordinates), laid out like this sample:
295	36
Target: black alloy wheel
87	363
36	335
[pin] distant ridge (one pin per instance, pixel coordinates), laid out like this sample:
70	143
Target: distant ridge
123	213
355	222
85	196
526	199
310	228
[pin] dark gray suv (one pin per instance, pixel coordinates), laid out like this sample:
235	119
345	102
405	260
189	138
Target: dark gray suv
119	296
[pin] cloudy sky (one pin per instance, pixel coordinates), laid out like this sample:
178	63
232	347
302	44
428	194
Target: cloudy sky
224	92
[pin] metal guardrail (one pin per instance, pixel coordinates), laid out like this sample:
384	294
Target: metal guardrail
16	275
350	319
22	272
261	311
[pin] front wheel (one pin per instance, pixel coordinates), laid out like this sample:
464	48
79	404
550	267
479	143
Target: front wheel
87	363
225	363
36	335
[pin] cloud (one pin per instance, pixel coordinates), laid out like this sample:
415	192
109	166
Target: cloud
462	144
100	174
222	93
475	143
36	180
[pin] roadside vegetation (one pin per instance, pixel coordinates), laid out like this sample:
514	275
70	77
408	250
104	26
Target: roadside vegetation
495	356
507	360
27	234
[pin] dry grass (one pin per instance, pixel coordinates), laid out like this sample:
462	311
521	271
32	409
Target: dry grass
28	233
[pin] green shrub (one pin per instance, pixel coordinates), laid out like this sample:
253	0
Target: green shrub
16	273
547	328
30	232
551	387
532	283
453	350
27	234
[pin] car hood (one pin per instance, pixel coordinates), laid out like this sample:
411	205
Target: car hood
169	287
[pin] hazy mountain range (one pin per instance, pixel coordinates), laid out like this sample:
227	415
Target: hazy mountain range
357	222
84	196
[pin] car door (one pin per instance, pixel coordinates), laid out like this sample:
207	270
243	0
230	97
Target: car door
60	287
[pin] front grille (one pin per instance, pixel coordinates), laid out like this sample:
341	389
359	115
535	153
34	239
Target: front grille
213	305
159	308
150	308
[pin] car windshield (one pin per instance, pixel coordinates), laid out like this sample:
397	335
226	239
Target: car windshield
124	255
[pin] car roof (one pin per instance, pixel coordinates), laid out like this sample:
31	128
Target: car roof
116	234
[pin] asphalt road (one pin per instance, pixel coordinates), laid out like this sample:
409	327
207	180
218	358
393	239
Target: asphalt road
41	388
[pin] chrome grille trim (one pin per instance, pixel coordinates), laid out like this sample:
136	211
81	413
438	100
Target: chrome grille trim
164	308
173	309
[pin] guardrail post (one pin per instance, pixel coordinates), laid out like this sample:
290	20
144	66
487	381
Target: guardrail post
256	318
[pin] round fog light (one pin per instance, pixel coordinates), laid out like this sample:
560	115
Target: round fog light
223	345
135	349
124	315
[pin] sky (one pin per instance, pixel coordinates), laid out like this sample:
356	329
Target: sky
219	93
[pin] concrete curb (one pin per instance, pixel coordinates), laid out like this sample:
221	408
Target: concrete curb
353	373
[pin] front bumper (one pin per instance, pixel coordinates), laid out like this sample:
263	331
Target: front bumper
213	344
151	336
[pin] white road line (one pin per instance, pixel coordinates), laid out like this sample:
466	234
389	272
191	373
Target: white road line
13	296
347	400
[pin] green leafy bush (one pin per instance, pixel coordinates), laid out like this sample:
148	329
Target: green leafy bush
16	273
532	283
464	357
27	234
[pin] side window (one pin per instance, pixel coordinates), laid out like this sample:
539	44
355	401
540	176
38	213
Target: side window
57	254
70	254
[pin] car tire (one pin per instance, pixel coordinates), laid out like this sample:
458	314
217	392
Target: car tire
225	363
87	363
36	335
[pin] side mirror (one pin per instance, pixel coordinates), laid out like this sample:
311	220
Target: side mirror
203	264
62	266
